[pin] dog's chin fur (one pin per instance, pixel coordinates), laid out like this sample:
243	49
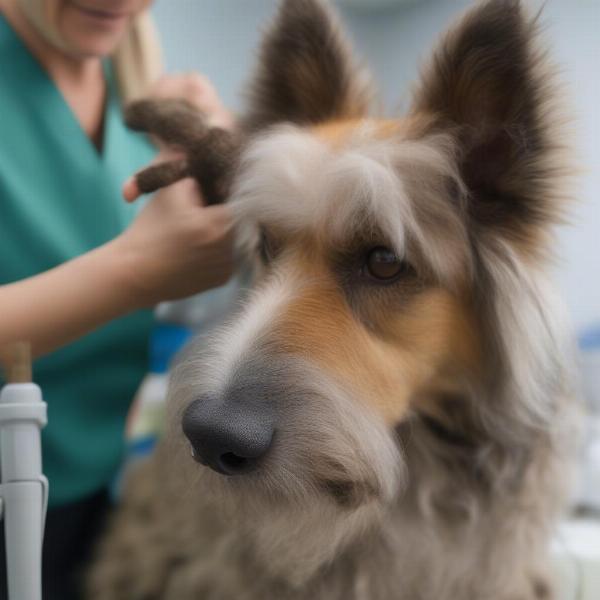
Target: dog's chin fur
424	429
423	519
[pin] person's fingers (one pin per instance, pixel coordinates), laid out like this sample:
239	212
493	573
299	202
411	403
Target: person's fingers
218	216
161	175
223	119
187	191
175	122
197	90
130	189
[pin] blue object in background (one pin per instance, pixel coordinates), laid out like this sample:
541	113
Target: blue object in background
166	341
590	340
146	420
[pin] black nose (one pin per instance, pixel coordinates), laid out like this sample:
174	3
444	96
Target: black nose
229	436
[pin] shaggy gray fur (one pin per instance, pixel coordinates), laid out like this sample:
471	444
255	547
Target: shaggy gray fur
459	505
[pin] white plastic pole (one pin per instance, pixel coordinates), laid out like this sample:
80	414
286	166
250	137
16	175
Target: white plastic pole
24	490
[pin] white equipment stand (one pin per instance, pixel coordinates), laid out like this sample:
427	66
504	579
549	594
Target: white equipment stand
23	488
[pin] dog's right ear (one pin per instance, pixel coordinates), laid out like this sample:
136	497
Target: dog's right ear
306	74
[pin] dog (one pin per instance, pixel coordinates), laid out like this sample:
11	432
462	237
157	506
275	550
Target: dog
391	415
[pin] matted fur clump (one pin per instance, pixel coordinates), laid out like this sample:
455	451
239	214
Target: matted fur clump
390	415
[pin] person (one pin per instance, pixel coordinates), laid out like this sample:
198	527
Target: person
79	267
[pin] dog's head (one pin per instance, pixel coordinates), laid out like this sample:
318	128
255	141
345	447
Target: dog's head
396	262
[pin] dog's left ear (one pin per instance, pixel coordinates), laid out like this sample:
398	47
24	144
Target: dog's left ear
489	87
306	74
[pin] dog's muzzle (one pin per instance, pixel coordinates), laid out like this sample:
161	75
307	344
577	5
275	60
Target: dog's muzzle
230	432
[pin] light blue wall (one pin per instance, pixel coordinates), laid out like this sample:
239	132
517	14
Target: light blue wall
219	37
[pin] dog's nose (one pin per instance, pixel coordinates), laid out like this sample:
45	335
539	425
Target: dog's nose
229	437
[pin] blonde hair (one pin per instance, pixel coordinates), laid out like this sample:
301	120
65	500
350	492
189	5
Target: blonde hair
138	59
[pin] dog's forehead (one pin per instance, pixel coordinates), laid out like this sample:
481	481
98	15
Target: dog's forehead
340	185
338	178
321	180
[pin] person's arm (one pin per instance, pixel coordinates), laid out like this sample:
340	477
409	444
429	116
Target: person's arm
60	305
175	248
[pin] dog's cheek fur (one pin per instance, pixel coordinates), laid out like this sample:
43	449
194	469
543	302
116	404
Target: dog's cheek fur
326	440
419	343
334	468
306	73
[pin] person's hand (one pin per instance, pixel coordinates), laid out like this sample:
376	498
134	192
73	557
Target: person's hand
199	92
176	247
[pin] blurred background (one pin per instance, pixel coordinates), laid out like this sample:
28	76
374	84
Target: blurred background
394	37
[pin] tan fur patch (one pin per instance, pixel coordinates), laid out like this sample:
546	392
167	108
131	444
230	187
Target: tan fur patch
337	133
430	340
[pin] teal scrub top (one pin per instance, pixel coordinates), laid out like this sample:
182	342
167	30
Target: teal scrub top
60	197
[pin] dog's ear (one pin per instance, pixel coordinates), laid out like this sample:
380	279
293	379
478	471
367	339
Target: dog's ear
489	86
306	74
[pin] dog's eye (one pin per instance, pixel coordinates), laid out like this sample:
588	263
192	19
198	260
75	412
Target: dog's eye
384	264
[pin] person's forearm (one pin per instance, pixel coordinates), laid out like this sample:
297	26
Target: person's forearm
60	305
